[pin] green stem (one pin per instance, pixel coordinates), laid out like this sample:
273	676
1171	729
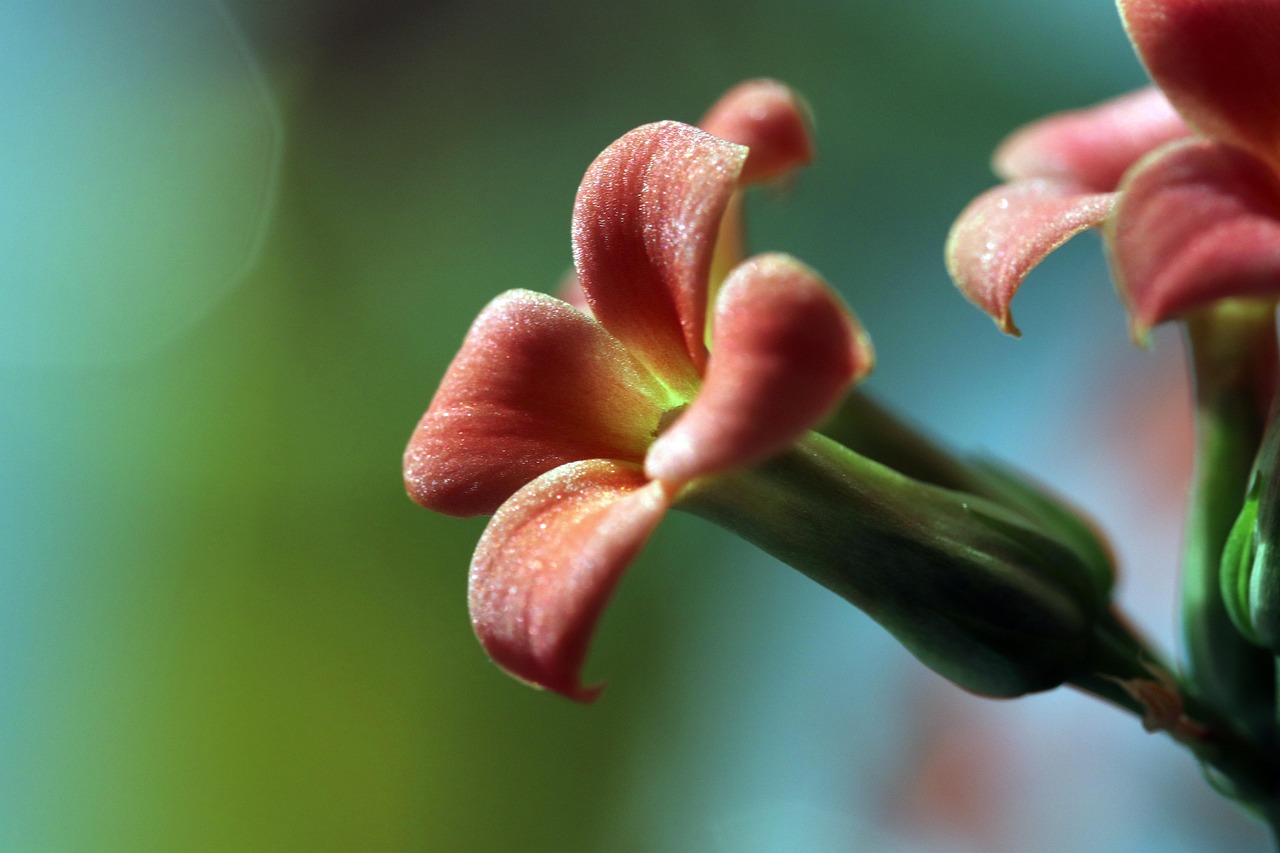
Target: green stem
974	590
1233	358
1125	673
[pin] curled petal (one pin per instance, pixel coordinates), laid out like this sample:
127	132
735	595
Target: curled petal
1092	147
784	351
644	230
1005	232
1196	222
1219	63
536	384
768	118
548	562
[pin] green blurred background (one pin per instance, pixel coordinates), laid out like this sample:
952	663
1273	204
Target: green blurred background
239	245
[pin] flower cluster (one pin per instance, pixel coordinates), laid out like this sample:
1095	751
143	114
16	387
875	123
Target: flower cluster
1185	178
1184	181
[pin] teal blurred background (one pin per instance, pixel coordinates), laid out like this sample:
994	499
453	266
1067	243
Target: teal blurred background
239	245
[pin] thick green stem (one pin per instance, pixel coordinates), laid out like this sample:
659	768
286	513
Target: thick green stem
1233	361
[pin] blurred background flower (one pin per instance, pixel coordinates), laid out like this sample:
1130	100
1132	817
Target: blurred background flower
239	244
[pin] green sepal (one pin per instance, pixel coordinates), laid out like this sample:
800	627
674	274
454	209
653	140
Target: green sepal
1237	568
1233	359
970	587
1011	488
1251	559
867	428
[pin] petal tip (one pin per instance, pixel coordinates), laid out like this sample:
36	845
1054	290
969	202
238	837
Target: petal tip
771	120
1004	321
1007	231
864	354
565	684
548	563
670	458
1140	331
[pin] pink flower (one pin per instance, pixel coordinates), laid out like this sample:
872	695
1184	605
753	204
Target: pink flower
580	430
1186	179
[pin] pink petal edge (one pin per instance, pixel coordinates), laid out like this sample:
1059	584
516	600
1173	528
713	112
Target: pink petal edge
535	385
1092	147
771	120
644	231
784	351
1004	233
548	563
1197	222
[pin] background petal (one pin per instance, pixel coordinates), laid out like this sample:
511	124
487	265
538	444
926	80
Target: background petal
784	350
768	118
1094	146
548	562
1006	231
1196	222
536	384
1219	63
570	290
644	230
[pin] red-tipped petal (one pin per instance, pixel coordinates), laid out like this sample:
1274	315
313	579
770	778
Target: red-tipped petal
1005	232
1092	147
1219	63
1196	222
768	118
644	230
548	562
784	351
536	384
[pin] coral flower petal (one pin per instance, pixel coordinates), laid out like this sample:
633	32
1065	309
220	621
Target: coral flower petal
1006	231
1196	222
644	230
784	351
1093	147
536	384
773	122
1219	63
768	118
548	563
